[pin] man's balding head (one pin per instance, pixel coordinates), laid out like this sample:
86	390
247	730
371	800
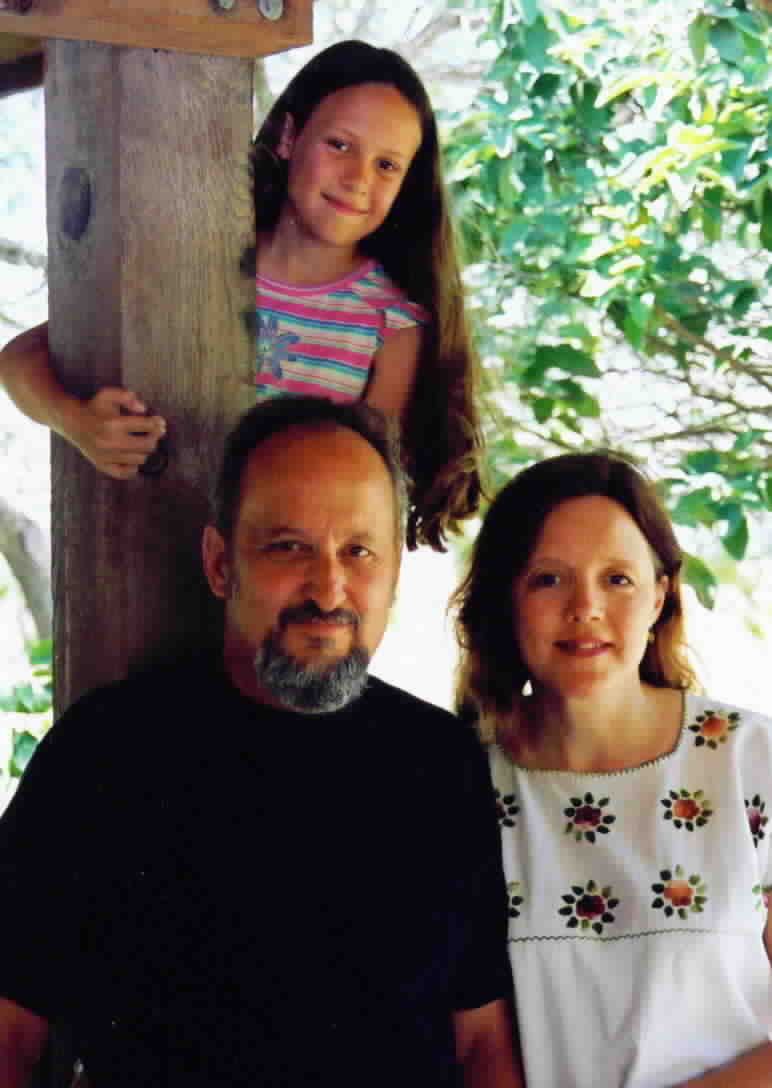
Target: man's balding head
305	550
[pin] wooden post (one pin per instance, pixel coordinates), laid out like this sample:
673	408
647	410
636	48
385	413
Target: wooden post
149	210
148	213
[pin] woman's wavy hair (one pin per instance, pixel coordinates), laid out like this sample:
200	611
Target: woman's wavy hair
491	671
416	246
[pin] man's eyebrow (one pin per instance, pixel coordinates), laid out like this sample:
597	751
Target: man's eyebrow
270	532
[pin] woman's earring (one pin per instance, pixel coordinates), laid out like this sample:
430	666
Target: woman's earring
650	636
527	688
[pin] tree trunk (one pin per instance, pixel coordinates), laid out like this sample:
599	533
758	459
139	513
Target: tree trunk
26	548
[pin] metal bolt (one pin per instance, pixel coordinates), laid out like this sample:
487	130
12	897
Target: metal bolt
271	9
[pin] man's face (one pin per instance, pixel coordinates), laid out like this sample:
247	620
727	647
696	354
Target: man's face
310	573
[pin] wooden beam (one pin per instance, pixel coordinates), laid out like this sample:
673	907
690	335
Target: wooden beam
234	28
148	213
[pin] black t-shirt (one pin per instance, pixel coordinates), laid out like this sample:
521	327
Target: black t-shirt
212	892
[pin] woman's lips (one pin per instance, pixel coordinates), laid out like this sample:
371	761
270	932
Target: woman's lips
582	647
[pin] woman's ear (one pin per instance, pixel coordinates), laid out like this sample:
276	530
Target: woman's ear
214	554
660	596
287	137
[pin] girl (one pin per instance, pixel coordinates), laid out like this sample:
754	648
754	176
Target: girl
358	286
632	809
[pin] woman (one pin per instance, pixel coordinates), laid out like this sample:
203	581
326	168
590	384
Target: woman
632	810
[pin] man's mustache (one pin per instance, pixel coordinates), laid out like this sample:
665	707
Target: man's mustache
310	610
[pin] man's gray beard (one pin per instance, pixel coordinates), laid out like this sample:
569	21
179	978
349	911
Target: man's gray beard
310	689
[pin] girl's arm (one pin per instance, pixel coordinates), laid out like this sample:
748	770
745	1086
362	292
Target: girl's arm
106	429
394	369
752	1069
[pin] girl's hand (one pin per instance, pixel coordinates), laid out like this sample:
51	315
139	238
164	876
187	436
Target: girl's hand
113	431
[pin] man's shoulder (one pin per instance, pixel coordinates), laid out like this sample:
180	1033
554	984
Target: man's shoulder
404	712
162	700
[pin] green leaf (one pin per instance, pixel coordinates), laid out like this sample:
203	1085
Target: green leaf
746	440
698	36
726	41
743	300
695	508
24	744
537	38
768	493
543	409
701	578
569	360
530	10
41	652
702	461
766	219
516	232
736	539
545	86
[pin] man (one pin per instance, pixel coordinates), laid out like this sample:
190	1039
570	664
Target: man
269	870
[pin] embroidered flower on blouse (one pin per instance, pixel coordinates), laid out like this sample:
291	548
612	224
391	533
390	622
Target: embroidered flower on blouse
687	809
507	808
588	907
514	899
586	818
272	347
713	727
678	894
757	819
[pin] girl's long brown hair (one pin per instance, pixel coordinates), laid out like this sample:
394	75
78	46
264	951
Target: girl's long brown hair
416	247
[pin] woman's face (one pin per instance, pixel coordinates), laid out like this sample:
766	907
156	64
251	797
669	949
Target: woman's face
586	599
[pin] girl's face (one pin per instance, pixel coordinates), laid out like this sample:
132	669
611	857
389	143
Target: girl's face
586	600
348	162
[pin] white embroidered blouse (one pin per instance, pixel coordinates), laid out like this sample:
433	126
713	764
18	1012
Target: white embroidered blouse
637	904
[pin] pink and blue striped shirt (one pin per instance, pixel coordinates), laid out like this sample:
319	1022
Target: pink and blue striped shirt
321	340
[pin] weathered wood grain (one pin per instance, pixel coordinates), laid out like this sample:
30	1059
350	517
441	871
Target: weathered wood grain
193	26
148	213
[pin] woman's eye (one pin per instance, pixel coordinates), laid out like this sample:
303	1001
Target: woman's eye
336	143
388	166
359	551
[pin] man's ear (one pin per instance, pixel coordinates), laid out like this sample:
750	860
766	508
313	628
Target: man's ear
216	564
287	137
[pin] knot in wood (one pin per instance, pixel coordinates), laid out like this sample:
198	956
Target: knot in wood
74	202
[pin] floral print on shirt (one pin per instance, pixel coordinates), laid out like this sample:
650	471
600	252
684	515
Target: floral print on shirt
272	346
757	818
687	809
712	727
507	808
586	818
678	894
588	907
